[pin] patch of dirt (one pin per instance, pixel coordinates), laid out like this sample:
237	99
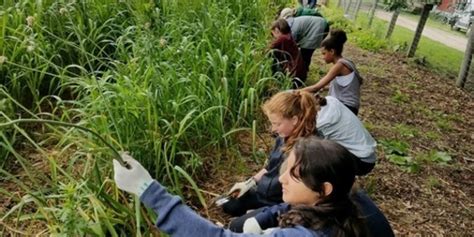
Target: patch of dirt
397	93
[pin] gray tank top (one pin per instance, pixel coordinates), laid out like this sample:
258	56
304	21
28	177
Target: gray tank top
347	88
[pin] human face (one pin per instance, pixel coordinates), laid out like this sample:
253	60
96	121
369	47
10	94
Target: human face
328	55
282	126
276	33
295	191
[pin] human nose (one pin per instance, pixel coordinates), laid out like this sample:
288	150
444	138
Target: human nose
283	177
274	128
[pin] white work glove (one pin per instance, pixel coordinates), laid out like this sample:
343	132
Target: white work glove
242	187
251	226
134	179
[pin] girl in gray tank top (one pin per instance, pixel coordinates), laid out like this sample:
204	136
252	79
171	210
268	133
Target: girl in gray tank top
343	78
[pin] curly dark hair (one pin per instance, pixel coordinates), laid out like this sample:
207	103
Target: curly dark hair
335	41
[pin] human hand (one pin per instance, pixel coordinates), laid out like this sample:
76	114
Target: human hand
133	179
251	226
242	187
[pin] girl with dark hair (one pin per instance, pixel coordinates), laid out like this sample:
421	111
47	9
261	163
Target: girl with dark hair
325	117
343	77
291	115
318	194
285	52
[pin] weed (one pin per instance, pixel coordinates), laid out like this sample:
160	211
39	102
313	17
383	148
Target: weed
397	153
399	97
368	41
406	130
433	182
432	135
395	147
436	157
443	123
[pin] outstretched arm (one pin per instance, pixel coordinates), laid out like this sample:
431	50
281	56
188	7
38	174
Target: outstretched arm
333	72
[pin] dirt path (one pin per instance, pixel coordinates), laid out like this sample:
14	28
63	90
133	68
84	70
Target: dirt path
444	37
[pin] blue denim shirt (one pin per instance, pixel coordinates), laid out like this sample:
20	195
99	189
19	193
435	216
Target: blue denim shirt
268	187
177	219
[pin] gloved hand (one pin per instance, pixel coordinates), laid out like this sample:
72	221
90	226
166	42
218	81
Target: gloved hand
242	187
134	180
251	226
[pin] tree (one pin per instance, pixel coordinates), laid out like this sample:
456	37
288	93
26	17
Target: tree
372	12
395	6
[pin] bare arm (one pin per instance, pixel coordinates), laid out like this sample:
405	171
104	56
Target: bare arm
333	72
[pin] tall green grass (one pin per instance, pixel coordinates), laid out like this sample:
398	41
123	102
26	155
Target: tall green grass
170	81
439	57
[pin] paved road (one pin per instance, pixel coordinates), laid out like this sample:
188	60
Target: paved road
444	37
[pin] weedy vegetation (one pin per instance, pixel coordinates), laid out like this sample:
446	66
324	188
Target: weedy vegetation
169	81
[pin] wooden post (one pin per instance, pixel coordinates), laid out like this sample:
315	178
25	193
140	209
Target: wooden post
466	64
419	29
393	22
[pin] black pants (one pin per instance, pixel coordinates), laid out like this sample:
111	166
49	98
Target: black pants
249	201
306	55
363	168
353	109
237	224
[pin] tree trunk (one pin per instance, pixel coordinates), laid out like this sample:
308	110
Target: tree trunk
393	22
419	29
466	64
372	12
358	3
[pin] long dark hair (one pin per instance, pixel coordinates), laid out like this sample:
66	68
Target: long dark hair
316	162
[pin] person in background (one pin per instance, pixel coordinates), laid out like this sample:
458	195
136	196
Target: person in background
307	3
304	11
318	192
285	52
343	78
307	31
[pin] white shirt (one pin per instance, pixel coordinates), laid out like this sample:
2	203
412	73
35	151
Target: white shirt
337	123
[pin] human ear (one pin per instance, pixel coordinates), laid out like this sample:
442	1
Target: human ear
294	120
327	188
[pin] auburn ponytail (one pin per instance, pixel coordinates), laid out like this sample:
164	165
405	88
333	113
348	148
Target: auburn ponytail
292	103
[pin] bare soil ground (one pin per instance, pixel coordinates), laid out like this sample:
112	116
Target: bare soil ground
398	94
